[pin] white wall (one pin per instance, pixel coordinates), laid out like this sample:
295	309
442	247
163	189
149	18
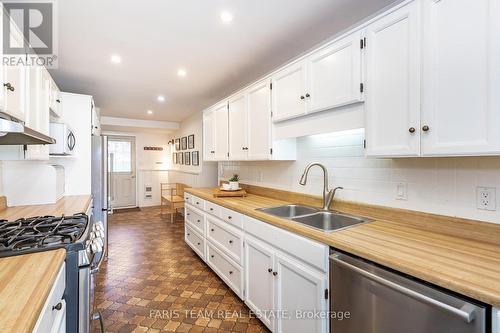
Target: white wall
204	175
437	185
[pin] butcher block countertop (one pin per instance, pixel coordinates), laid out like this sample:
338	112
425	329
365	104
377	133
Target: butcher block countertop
25	283
457	254
67	205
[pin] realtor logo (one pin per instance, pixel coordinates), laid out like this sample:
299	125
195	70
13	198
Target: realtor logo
35	21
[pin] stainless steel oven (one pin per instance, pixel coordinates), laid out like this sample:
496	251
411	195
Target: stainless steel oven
382	301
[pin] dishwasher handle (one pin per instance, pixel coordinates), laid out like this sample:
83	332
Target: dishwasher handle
467	315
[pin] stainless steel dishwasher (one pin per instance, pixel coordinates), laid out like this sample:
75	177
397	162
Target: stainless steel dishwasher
380	301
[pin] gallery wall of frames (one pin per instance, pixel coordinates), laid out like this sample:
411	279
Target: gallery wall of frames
185	152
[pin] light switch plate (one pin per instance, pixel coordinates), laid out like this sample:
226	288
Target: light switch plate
486	198
402	191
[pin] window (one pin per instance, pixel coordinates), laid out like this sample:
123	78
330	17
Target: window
120	156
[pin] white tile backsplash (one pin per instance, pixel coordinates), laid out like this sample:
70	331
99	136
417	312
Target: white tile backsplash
437	185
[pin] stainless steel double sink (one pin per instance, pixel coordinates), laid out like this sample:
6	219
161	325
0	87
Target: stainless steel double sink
327	221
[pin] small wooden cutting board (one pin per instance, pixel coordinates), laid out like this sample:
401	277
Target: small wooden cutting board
218	193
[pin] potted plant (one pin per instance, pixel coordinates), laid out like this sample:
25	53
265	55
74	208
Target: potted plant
234	182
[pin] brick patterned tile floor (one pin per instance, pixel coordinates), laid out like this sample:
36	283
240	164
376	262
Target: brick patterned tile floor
153	282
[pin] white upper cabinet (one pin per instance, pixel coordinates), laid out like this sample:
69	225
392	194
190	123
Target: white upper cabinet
461	77
334	75
209	135
238	125
392	100
259	121
221	125
289	99
55	101
14	82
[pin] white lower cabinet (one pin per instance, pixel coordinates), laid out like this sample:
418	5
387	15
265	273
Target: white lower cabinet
282	277
53	315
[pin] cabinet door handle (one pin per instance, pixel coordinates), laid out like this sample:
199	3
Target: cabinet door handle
57	307
229	217
199	243
270	270
275	273
411	130
302	97
9	86
230	242
188	214
211	209
59	101
230	272
425	128
307	95
213	230
189	234
212	256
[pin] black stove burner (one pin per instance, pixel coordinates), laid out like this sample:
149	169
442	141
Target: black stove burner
41	232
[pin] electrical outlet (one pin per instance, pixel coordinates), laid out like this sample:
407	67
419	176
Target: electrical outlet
486	198
402	191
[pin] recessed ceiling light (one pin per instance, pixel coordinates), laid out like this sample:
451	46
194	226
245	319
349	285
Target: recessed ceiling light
116	59
161	98
150	112
226	17
181	72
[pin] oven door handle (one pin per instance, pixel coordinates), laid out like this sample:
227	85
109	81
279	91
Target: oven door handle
98	316
95	268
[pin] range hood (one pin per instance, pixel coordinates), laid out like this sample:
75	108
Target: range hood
13	132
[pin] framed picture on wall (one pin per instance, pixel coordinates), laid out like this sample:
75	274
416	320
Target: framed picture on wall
177	144
180	157
174	158
195	158
184	145
191	141
187	158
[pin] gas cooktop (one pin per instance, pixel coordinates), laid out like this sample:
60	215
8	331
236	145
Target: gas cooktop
41	233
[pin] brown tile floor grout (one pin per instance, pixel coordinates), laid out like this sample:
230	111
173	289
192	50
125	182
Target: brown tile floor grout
153	282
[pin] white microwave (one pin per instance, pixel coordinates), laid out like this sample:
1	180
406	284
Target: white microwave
65	139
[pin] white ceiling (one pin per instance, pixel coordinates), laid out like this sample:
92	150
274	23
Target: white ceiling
156	37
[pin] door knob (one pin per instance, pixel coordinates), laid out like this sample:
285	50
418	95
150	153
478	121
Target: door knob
411	129
425	128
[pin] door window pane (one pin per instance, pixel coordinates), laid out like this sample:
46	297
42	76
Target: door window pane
121	153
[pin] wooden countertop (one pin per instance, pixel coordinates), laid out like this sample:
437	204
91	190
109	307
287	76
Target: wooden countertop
434	248
67	205
25	283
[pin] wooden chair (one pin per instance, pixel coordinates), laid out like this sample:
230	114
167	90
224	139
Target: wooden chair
172	198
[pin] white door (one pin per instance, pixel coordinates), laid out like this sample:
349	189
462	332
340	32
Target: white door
259	121
334	75
259	279
392	92
208	136
238	146
461	99
121	166
221	127
300	290
289	99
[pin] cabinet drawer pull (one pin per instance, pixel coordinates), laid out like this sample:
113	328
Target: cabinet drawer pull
425	128
307	95
199	221
58	100
270	270
230	242
57	307
197	203
212	256
230	272
199	243
9	86
188	214
275	273
229	217
213	230
211	209
411	129
302	97
189	234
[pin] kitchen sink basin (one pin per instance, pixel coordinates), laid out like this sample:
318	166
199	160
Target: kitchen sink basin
289	211
329	221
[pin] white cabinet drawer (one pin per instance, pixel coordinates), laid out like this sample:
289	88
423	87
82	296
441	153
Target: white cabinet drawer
51	309
196	218
226	237
311	252
228	271
231	217
212	208
188	197
195	241
197	202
